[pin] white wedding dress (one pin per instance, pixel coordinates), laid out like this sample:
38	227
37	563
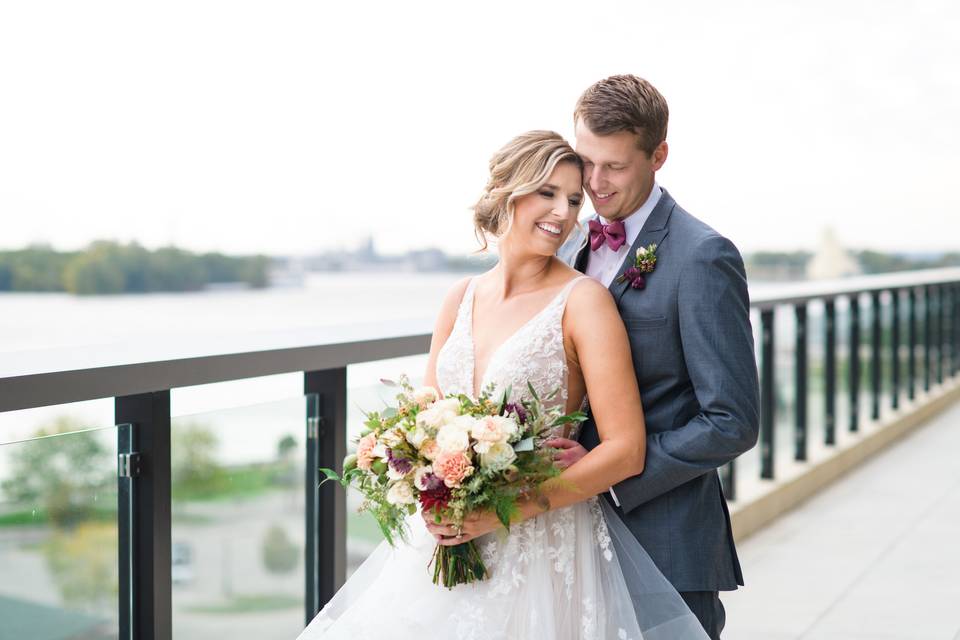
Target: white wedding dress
573	574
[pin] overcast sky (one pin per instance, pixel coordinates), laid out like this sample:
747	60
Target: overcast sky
290	127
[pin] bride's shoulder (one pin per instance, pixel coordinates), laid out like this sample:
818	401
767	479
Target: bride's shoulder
588	291
451	302
590	304
455	293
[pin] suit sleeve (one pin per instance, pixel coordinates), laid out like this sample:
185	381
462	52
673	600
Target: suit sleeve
717	341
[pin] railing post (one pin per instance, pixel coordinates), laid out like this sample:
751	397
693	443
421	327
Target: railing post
854	362
946	307
895	348
927	320
767	395
800	373
876	365
938	315
912	339
830	372
145	580
326	530
955	361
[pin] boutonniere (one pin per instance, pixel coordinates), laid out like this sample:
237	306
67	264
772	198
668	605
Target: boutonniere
644	262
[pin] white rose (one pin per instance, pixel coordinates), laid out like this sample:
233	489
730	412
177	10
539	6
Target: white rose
392	438
442	412
379	450
416	437
455	435
498	456
425	395
418	477
400	493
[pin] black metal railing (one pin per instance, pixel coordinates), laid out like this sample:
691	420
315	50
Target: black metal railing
141	384
932	327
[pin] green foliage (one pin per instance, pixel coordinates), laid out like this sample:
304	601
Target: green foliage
60	474
107	267
193	466
83	563
286	446
279	554
36	268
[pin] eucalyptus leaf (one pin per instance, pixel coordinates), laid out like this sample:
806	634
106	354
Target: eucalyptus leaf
533	391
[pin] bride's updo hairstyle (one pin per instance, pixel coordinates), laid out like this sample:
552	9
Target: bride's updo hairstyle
521	167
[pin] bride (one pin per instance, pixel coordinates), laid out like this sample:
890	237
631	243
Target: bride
570	568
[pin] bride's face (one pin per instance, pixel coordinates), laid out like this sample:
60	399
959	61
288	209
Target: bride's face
542	220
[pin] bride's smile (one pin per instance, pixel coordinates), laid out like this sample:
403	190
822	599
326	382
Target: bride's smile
542	220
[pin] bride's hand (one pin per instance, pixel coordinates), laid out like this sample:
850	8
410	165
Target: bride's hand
568	451
475	524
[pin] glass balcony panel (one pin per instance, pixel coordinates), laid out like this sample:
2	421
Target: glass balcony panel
58	529
238	532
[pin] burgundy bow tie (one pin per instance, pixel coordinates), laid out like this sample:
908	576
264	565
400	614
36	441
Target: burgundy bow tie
614	234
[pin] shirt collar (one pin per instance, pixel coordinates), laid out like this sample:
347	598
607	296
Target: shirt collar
635	221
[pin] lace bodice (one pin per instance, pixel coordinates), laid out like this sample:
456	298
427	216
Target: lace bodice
534	354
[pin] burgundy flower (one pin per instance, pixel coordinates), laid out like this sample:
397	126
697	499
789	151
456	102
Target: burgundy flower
632	273
399	463
436	495
517	409
639	282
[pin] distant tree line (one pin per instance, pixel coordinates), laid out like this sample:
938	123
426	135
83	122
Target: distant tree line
792	265
111	267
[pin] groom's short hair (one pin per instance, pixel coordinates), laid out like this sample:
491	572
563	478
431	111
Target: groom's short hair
625	103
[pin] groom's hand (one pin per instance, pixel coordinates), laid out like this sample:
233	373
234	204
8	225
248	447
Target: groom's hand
568	451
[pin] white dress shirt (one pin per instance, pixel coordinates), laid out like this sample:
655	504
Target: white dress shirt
604	263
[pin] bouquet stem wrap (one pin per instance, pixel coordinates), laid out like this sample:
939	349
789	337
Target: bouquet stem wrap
459	564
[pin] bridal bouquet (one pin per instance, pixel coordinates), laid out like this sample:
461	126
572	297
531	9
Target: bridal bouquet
452	456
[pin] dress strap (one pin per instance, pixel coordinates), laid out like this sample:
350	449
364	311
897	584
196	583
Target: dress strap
567	288
465	310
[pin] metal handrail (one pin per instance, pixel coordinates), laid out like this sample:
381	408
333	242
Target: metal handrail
765	296
47	377
40	378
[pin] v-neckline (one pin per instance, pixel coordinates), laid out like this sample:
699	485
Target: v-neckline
496	350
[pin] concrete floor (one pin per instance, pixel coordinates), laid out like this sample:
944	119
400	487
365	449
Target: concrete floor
876	555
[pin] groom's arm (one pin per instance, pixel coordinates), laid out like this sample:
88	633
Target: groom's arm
717	340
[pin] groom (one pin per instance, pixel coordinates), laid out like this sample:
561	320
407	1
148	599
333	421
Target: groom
689	328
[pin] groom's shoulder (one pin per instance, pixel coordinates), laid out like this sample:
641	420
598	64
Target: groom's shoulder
695	235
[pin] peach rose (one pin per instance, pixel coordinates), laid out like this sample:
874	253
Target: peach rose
491	430
453	467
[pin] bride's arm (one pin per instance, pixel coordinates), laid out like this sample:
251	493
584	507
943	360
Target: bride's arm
603	351
442	329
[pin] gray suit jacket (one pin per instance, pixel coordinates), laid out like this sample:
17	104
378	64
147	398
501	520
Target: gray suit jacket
692	348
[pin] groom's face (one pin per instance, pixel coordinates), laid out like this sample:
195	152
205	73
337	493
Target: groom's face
618	175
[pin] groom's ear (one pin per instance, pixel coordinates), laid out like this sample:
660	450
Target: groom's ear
660	155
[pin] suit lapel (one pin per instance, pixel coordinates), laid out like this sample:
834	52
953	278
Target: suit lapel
653	232
582	258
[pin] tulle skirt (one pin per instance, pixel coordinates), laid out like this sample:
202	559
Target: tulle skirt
571	574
